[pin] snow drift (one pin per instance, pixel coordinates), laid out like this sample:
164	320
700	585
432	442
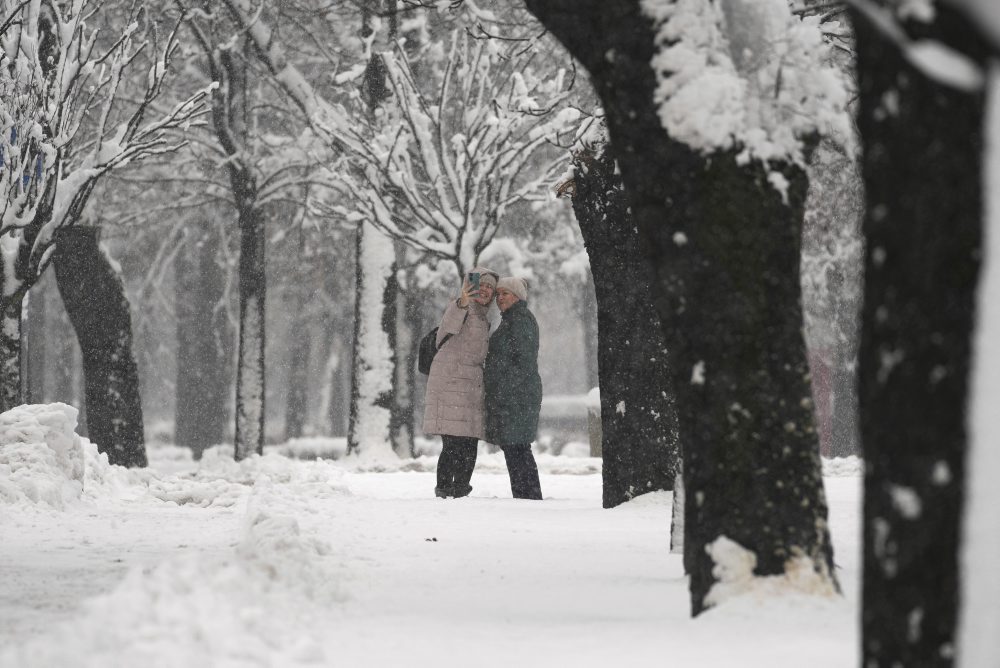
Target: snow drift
41	456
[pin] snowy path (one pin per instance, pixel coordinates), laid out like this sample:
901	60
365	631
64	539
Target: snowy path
368	569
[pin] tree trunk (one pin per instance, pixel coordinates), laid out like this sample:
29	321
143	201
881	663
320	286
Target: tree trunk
638	419
588	317
724	248
300	350
10	329
404	380
338	398
922	169
204	343
373	357
297	396
250	378
94	297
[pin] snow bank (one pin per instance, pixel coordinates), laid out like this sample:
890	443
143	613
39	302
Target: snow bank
41	457
253	605
220	481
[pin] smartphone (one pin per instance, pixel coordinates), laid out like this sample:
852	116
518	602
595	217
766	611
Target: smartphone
474	280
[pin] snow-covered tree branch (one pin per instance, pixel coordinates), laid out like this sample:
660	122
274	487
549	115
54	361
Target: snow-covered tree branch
70	113
69	116
450	158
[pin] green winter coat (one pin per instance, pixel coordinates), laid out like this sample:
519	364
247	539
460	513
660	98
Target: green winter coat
513	386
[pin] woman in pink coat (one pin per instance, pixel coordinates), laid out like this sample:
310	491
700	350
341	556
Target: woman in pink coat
455	407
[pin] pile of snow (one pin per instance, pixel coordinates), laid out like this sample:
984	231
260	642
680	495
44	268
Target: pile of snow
734	572
220	481
41	456
253	605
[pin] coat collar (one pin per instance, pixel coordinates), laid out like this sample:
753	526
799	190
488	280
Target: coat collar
517	306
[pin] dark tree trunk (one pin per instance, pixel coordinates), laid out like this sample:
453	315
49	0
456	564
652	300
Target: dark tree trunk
638	417
725	252
250	379
94	297
204	343
10	350
231	117
297	398
300	350
401	422
922	172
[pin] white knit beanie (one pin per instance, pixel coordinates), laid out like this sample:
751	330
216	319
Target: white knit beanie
518	286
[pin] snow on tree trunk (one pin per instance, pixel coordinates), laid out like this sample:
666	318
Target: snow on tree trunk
204	344
922	168
371	385
979	615
92	291
640	445
10	328
677	517
250	379
723	240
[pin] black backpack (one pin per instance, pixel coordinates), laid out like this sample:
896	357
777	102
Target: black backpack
427	350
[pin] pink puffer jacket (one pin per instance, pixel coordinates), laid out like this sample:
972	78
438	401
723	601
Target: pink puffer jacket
455	403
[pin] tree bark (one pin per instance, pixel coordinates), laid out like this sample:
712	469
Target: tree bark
922	169
404	380
297	397
204	343
10	329
300	350
94	297
250	371
724	249
638	418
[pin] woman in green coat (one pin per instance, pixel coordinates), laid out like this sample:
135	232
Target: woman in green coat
513	387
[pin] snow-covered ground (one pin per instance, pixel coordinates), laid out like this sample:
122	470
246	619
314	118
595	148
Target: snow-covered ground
283	562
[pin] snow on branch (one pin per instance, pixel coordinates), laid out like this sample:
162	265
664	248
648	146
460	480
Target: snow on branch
746	75
327	119
76	105
442	161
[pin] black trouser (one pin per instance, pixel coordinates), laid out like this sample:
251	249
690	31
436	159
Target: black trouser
458	458
523	471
